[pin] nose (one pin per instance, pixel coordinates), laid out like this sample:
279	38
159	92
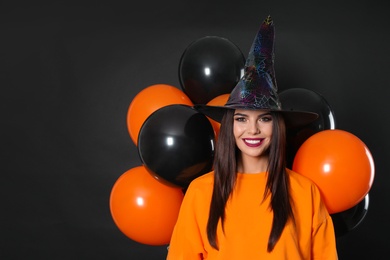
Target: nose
254	128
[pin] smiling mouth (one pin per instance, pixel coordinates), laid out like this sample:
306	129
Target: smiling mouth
253	142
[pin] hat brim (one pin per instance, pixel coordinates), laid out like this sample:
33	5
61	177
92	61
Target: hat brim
292	118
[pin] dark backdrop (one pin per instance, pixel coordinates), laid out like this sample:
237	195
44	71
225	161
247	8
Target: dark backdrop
68	73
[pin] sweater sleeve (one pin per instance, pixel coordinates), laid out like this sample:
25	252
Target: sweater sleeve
186	241
323	236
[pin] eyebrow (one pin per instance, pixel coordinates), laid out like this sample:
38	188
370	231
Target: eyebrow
241	114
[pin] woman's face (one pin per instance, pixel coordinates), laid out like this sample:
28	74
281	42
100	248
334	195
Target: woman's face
252	131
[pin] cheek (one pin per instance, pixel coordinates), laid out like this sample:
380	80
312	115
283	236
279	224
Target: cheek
268	130
237	131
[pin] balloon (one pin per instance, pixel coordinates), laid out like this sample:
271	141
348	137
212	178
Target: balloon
149	100
209	67
348	220
144	209
217	101
340	164
305	100
176	143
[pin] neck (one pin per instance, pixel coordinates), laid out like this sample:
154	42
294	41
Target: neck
248	164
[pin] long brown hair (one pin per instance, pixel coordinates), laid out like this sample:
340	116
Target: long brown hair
225	169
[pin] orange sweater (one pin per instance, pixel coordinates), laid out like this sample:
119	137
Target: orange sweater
248	223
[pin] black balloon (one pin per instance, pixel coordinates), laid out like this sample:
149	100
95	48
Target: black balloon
348	220
176	144
209	67
305	100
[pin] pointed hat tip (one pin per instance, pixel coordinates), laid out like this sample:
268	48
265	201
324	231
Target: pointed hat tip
268	20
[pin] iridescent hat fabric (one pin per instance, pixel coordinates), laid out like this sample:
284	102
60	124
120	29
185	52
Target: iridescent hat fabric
257	89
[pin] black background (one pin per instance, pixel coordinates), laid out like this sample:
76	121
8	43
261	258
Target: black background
68	73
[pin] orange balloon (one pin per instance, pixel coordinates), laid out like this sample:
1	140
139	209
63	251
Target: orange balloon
217	101
143	208
340	164
149	100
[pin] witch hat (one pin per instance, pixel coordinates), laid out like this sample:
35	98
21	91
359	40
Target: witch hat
257	89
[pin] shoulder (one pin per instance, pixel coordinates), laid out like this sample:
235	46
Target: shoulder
301	184
205	179
308	200
199	192
299	179
203	183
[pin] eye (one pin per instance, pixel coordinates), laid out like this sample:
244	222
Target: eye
265	119
240	119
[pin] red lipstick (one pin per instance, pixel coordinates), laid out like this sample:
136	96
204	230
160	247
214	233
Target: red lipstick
253	142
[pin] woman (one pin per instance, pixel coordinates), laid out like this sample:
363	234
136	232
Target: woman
251	206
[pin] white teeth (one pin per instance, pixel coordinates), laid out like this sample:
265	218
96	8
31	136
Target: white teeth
252	141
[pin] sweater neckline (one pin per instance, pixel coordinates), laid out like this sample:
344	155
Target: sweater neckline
244	174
